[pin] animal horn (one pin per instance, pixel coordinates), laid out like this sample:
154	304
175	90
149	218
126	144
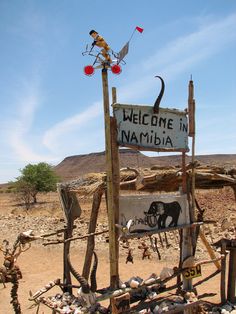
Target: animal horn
158	100
93	274
83	282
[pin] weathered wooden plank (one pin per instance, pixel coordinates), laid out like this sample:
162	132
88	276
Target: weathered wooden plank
156	231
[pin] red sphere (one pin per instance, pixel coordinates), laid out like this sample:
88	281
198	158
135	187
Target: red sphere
116	69
89	70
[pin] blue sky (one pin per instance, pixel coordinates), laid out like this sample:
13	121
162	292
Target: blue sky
50	110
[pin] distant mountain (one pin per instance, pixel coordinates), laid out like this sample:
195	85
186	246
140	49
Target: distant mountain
74	166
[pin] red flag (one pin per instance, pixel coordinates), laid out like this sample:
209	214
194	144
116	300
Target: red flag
139	29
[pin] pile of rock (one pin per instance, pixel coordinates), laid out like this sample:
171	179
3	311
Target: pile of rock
224	309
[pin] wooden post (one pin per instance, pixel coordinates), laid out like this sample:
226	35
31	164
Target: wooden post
222	274
116	180
187	249
191	133
92	227
191	114
209	249
114	96
113	254
231	295
66	203
191	109
184	175
184	188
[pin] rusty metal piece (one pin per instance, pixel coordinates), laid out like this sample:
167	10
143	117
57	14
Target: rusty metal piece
146	251
157	250
130	257
166	239
155	246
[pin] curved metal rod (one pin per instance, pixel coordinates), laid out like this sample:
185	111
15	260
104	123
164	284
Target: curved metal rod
158	100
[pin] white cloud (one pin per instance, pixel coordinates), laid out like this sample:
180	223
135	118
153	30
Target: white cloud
180	55
210	39
52	136
22	125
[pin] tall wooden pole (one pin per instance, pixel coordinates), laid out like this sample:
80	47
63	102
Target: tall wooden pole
231	294
186	245
191	113
113	252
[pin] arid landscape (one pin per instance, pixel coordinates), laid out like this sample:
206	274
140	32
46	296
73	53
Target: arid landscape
43	262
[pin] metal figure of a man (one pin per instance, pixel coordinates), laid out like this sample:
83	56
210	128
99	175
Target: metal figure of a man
101	43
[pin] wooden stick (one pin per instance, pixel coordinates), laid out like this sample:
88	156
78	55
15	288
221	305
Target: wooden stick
97	196
210	261
155	247
166	239
156	231
43	290
76	238
184	174
116	189
231	295
115	293
161	241
207	278
186	243
223	273
47	235
209	249
114	273
193	171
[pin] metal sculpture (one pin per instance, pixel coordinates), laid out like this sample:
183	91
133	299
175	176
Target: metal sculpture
105	58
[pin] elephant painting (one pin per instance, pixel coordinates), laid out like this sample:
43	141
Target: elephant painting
159	211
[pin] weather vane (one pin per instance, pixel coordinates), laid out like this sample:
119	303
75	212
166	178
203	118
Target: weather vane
106	58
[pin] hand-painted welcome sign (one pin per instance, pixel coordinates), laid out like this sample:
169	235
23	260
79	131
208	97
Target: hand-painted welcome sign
149	212
140	127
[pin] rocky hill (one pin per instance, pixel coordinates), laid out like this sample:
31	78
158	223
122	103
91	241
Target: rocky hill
74	166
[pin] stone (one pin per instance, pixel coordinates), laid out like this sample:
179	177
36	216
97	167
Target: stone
224	311
215	309
156	310
226	307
